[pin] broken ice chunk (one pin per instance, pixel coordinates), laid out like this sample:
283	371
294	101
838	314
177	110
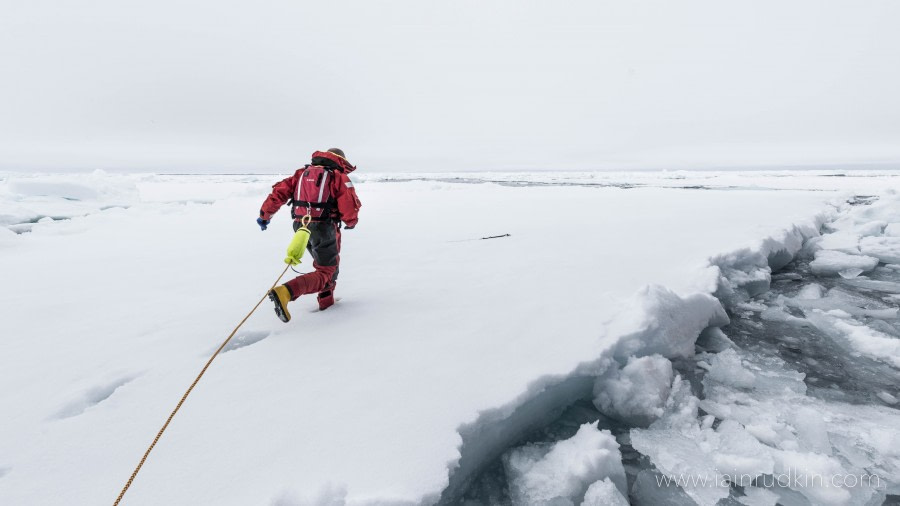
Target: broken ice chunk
789	276
883	326
886	249
887	398
811	291
560	473
651	487
871	228
670	323
755	496
851	303
841	296
752	306
604	493
809	439
811	429
776	314
850	273
701	460
893	230
856	337
814	475
874	284
714	340
845	242
728	370
637	393
830	262
740	456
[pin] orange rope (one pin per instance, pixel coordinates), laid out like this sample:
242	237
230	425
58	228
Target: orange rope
188	392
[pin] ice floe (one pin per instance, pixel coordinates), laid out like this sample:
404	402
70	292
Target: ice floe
427	372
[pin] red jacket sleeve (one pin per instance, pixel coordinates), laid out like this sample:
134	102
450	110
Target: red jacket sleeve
347	202
281	193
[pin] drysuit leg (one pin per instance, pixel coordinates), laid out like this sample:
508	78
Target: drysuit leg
325	247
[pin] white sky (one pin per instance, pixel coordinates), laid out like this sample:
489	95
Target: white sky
456	85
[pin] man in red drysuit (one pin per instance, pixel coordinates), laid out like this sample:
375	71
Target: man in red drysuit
322	190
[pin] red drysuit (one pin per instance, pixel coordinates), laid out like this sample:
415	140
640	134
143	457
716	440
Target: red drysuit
338	202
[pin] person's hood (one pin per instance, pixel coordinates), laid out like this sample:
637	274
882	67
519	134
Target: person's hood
332	160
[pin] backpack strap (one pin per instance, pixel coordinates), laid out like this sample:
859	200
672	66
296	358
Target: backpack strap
294	191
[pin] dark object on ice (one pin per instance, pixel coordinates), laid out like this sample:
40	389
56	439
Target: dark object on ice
862	200
482	238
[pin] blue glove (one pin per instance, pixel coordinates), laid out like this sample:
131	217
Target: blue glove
262	223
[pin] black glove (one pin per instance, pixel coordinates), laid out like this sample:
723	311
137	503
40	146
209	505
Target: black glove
349	227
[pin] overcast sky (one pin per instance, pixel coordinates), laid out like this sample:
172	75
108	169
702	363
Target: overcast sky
212	86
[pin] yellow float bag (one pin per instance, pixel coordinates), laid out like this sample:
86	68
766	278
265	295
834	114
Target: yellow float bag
297	246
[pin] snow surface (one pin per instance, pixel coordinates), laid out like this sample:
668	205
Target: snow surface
442	350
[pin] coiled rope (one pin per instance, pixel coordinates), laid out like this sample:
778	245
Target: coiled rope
188	392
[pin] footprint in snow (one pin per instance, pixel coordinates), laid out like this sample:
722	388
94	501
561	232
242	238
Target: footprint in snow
92	396
245	338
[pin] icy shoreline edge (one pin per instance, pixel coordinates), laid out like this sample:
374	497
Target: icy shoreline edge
669	325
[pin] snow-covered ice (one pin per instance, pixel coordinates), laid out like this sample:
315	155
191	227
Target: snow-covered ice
833	262
443	351
637	393
886	249
604	493
563	472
